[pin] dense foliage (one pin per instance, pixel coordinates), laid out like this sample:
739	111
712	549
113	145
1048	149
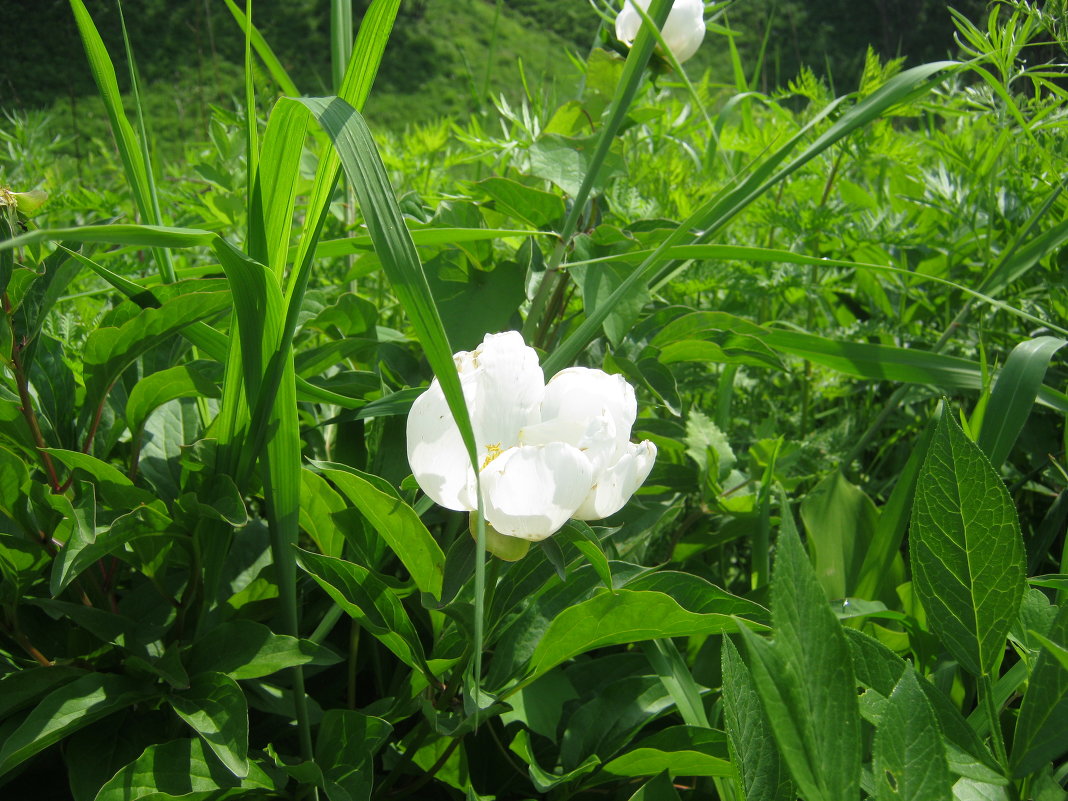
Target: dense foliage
844	317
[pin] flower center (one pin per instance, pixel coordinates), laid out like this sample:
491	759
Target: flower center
492	452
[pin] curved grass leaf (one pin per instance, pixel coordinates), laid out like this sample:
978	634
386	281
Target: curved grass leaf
214	707
909	757
1013	396
966	549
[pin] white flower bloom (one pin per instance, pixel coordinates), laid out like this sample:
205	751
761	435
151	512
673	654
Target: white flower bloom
547	453
683	31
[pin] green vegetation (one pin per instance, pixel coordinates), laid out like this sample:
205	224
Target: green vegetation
843	314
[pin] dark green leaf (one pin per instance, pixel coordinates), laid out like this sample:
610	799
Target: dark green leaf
244	649
1042	725
215	708
966	549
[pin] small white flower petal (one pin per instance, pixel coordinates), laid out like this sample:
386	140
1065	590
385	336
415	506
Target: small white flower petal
436	451
616	484
531	491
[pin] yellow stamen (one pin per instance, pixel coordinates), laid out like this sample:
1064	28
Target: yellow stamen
492	452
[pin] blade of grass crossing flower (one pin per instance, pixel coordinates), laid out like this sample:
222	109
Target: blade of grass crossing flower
400	262
1014	395
629	81
130	152
264	51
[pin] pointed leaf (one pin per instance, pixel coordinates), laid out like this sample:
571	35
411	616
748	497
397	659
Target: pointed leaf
966	549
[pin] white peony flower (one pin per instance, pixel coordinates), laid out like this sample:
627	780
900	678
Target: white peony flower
683	31
547	453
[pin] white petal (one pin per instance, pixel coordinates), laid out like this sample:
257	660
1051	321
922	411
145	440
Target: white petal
436	452
531	491
603	406
616	484
504	386
628	21
685	28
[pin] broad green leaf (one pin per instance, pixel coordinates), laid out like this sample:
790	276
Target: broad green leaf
22	562
179	768
23	687
14	478
679	750
805	679
214	707
367	599
622	617
586	541
698	595
542	779
67	709
243	649
537	207
1013	396
399	525
840	522
114	487
909	758
345	747
195	379
109	351
1042	725
319	504
753	751
966	549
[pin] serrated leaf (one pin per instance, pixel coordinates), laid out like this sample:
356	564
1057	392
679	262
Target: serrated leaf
753	751
805	679
909	757
966	550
